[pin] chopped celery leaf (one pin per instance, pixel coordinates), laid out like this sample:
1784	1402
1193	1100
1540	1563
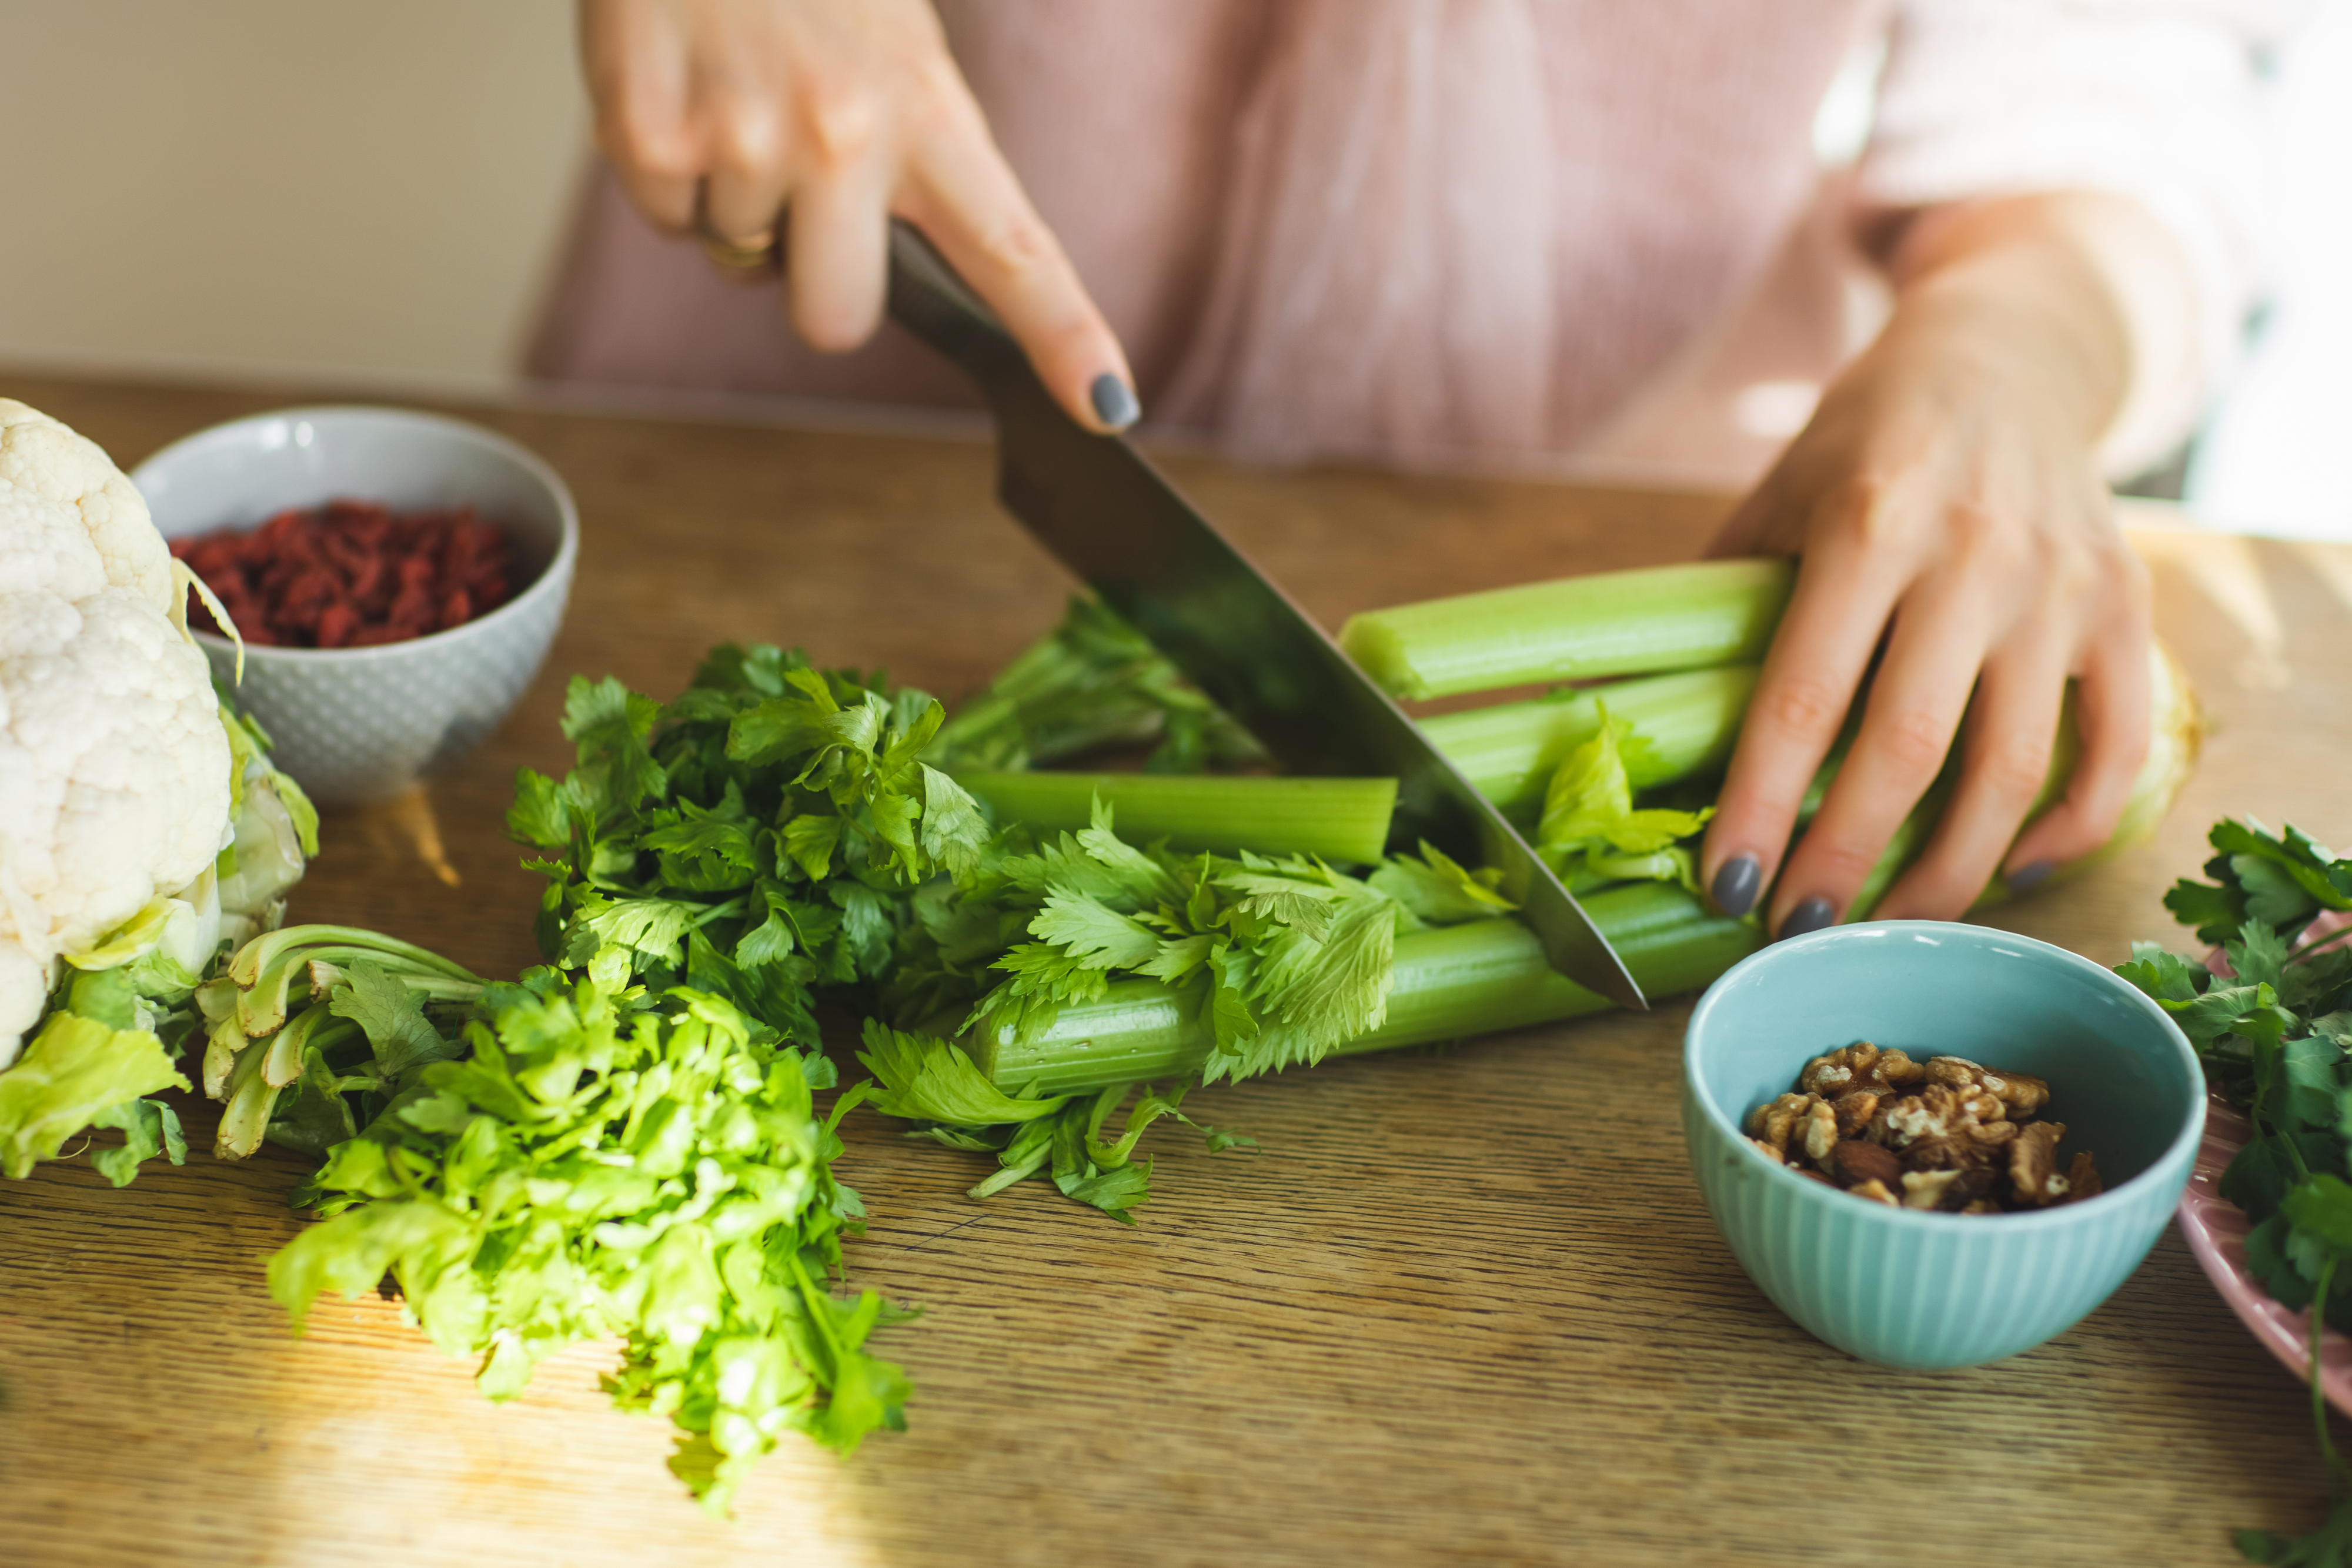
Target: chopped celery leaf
1590	831
648	1166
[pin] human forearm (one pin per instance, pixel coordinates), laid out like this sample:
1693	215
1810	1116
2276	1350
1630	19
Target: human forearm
2099	285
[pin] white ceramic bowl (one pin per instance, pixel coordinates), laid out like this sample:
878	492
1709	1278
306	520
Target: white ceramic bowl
361	723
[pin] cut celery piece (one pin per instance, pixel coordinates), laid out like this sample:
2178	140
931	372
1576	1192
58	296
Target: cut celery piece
1575	629
1344	820
1451	982
1511	750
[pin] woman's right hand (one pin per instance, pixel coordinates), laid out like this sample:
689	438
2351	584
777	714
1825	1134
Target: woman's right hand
848	113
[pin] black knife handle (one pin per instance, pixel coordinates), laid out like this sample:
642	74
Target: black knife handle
928	298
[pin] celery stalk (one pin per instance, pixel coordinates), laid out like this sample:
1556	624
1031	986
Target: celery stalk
1338	819
1451	981
1511	750
1575	629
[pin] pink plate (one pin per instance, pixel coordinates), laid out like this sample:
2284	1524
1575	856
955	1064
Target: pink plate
2216	1230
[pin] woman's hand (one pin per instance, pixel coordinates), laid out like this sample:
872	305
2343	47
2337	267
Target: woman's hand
1947	504
847	112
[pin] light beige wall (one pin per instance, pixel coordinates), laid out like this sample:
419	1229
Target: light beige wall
355	192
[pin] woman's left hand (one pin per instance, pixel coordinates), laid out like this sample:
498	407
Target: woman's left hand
1945	503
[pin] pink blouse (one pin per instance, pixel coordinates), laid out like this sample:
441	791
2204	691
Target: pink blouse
1494	232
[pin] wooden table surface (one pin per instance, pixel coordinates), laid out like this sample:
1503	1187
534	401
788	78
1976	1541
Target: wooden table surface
1458	1308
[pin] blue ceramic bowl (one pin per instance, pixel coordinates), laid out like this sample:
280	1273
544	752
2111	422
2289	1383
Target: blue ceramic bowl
1923	1289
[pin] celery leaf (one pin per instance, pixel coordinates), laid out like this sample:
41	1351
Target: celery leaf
393	1018
1439	892
1590	831
924	1079
1100	937
644	1167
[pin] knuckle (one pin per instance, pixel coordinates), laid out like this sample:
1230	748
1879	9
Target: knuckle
2080	568
1804	707
2014	767
1836	860
2106	576
1914	740
1976	530
740	136
2073	579
1995	549
840	127
1775	803
1016	245
1858	514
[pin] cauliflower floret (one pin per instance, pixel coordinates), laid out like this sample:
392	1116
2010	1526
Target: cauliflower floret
43	459
114	770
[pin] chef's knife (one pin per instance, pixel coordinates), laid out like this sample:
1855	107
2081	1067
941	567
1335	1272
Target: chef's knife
1109	515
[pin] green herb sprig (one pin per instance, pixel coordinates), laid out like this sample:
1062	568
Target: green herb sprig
2274	1036
754	838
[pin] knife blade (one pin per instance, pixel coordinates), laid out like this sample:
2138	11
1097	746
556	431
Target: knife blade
1115	521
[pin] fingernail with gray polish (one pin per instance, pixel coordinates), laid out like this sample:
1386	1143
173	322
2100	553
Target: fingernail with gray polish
1114	401
1811	915
1736	883
2026	878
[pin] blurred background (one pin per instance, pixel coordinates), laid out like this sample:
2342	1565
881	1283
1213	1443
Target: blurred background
361	196
374	199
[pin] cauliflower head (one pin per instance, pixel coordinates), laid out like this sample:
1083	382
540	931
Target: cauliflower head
115	780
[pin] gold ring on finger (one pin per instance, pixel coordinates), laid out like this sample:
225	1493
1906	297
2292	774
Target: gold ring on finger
736	255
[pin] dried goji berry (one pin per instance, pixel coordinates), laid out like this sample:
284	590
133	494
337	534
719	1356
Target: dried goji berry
336	624
352	574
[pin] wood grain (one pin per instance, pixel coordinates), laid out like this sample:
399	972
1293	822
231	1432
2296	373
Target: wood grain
1461	1307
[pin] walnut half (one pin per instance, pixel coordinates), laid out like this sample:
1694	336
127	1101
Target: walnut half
2033	1164
1928	1190
1854	1110
1860	1065
1770	1124
2021	1094
2082	1178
